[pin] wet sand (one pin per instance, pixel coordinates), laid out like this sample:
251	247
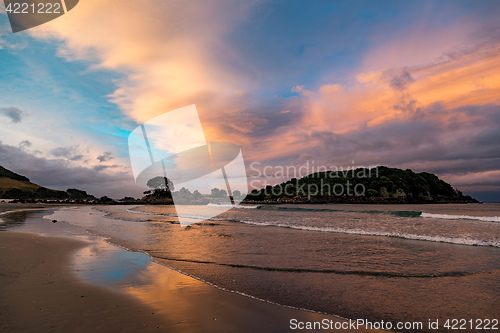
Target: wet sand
11	207
40	291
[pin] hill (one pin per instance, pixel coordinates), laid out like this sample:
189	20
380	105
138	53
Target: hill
4	173
15	186
376	185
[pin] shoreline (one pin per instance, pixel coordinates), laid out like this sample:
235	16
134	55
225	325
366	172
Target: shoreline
41	293
51	284
281	201
355	201
7	207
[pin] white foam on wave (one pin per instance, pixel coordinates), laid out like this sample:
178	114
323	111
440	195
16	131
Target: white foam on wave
462	217
194	217
199	216
356	231
144	213
3	213
233	206
429	238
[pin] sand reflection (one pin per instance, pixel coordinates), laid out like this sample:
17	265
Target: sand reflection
186	304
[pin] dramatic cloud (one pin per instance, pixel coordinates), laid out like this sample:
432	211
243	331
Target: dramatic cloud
63	151
14	114
406	94
24	144
105	157
76	158
172	49
60	174
401	80
466	154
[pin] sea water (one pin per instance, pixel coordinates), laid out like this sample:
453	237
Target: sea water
373	262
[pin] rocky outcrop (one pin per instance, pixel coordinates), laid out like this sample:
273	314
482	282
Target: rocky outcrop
377	185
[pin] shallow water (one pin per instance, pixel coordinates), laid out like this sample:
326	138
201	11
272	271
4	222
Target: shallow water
396	263
176	301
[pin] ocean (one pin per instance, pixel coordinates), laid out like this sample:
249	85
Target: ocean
376	262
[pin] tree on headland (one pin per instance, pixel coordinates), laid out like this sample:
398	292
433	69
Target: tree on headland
217	193
197	195
79	194
127	199
161	188
105	199
160	183
184	192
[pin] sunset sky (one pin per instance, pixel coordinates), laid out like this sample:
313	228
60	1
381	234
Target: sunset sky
403	84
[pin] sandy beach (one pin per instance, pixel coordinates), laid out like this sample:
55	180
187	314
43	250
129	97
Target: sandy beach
11	207
40	291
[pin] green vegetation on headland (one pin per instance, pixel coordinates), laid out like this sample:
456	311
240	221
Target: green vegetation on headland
376	185
163	192
4	173
15	186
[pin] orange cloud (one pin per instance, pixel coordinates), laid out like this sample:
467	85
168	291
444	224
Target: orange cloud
173	54
165	50
380	96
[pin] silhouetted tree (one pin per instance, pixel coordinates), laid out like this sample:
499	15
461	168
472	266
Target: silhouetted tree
160	183
197	195
105	199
